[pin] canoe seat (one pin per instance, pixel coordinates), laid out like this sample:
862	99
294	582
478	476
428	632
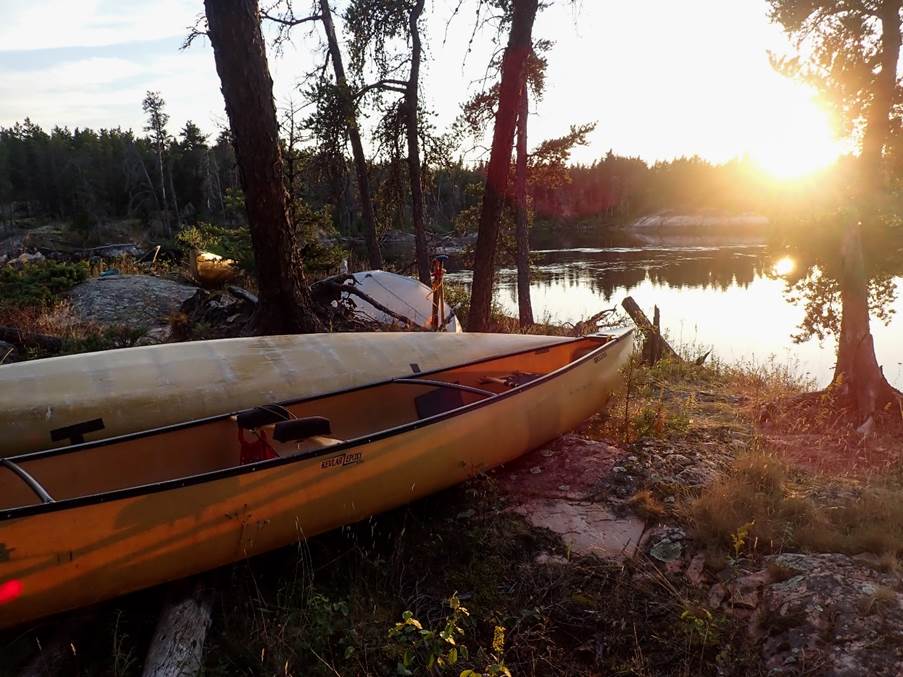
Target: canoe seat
301	428
302	435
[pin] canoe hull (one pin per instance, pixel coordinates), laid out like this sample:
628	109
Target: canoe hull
142	388
78	556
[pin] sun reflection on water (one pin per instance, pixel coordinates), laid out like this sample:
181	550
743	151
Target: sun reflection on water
784	266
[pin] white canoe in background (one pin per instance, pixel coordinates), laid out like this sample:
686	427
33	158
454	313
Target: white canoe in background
404	295
114	392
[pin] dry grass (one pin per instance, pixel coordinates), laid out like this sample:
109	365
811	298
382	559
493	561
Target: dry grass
646	505
779	509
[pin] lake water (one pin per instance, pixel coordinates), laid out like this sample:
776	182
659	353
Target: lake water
725	294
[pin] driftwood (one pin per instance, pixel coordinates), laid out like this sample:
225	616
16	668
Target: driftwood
177	648
590	325
656	345
25	339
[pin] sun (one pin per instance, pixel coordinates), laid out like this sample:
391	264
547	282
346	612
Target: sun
797	136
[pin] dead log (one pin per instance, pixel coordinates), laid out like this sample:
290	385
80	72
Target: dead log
177	648
244	294
655	342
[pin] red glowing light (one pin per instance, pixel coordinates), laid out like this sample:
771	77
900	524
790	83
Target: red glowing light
9	591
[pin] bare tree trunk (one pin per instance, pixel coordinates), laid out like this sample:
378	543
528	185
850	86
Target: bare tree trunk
522	231
175	200
241	62
414	172
857	373
357	148
165	211
514	67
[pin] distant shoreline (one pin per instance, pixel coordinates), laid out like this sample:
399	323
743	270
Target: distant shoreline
674	220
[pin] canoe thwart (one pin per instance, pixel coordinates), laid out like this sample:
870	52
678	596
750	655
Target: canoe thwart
445	384
32	483
302	428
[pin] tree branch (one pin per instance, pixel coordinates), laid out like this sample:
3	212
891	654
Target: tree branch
388	85
289	20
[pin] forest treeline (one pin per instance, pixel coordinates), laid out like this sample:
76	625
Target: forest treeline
85	178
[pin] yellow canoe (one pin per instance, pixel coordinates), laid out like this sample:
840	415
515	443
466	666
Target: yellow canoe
85	523
48	403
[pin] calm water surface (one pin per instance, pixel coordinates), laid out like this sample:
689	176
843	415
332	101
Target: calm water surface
723	294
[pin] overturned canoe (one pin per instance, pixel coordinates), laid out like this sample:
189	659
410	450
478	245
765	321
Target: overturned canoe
403	295
88	522
47	403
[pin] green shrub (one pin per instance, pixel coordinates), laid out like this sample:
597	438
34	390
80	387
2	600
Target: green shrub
38	284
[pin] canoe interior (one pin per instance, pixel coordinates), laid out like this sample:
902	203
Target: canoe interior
208	445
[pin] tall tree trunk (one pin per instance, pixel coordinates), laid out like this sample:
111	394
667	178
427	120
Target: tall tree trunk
414	173
514	67
165	210
357	148
238	48
857	373
175	199
525	308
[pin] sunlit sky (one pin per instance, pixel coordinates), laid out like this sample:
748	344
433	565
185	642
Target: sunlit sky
661	78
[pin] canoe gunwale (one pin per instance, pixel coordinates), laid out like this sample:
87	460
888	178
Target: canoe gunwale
222	473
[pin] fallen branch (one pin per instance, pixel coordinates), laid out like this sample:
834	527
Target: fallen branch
591	323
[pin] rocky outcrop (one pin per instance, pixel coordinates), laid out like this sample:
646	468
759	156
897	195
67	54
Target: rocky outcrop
831	615
129	300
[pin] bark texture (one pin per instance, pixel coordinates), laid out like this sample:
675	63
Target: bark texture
241	62
177	649
522	232
354	135
411	105
514	65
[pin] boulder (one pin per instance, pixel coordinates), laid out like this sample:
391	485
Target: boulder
130	300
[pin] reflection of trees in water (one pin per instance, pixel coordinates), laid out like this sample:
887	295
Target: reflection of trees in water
605	272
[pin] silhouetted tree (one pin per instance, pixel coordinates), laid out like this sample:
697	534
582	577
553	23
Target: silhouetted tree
345	98
853	51
514	67
157	118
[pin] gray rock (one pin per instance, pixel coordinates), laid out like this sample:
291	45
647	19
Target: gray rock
831	611
132	300
666	550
